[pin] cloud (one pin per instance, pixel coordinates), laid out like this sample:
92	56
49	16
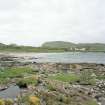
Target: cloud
6	5
33	22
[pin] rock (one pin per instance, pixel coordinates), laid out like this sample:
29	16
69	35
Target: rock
3	88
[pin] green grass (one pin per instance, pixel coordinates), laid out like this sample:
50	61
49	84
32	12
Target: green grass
30	80
91	102
86	78
10	73
65	77
101	77
72	78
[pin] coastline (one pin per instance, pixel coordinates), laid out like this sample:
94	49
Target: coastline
77	80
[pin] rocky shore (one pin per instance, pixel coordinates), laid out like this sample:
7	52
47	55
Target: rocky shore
53	90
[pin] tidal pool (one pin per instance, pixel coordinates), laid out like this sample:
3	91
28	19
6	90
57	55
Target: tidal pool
11	92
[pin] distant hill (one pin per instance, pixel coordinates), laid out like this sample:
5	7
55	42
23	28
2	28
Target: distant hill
58	44
92	46
54	46
1	44
77	47
17	48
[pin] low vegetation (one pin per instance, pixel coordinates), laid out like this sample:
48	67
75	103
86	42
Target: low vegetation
25	82
87	78
38	87
10	73
84	78
6	102
65	77
33	100
29	100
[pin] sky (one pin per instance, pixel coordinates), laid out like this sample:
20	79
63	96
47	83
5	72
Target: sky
33	22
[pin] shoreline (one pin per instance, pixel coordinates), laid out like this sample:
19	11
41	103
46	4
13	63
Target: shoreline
52	79
45	58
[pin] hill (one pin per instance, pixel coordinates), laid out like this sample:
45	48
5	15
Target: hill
92	46
54	46
16	48
75	47
58	44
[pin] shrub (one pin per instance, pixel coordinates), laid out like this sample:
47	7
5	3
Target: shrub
86	78
24	82
51	87
2	102
33	100
9	102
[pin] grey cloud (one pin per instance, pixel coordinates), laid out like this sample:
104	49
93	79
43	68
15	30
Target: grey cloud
8	4
37	21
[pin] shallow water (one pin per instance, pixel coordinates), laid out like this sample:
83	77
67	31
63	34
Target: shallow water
66	57
11	92
71	57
